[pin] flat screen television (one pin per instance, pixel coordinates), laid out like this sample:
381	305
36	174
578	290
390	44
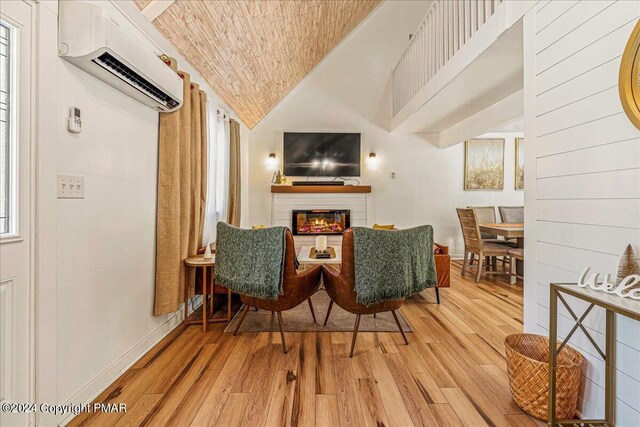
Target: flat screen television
321	154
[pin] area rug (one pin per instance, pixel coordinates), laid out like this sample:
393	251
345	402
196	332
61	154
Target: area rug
299	319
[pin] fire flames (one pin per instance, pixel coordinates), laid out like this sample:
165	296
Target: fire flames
319	226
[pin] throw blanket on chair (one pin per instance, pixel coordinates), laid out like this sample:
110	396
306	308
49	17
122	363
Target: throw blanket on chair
392	264
250	262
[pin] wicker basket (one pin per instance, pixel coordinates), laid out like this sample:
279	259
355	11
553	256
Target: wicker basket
528	366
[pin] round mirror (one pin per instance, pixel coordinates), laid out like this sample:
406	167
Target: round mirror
629	84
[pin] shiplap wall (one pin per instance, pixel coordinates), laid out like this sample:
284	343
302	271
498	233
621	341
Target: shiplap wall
587	202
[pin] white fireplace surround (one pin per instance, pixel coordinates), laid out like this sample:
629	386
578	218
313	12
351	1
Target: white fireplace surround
283	203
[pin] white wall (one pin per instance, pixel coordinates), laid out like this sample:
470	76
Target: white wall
104	244
587	171
350	92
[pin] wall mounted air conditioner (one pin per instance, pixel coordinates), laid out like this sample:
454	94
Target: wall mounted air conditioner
94	42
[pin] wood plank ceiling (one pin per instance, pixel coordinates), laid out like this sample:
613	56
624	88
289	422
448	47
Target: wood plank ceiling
252	53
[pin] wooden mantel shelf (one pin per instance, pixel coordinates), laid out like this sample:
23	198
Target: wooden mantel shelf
321	189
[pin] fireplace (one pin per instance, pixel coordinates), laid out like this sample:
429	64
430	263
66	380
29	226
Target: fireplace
319	222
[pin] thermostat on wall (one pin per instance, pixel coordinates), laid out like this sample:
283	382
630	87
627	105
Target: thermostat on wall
74	124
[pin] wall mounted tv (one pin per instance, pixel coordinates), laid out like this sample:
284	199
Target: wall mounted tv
321	154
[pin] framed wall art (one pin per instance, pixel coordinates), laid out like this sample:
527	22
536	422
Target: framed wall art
519	172
484	164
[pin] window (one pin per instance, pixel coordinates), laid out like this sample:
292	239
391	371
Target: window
217	171
7	137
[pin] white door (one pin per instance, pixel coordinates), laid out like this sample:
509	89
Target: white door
16	278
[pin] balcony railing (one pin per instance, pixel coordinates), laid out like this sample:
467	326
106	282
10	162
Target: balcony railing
446	27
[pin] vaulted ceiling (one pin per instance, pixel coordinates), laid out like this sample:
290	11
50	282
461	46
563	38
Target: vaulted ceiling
252	53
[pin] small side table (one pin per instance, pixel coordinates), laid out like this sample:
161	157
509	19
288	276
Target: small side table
306	261
207	265
613	305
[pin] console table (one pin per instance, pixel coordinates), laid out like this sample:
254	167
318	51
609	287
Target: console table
613	305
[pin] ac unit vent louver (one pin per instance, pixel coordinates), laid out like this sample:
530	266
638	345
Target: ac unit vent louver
114	66
105	44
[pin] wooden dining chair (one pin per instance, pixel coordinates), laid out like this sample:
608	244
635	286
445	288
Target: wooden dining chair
515	254
511	214
475	244
487	215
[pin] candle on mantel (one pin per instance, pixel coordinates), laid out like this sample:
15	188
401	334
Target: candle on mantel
321	243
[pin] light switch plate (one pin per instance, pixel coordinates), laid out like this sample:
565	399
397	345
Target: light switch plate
70	187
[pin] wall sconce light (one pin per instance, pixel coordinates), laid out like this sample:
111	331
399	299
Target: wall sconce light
272	161
372	160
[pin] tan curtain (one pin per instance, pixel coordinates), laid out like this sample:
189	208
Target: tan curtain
233	216
182	175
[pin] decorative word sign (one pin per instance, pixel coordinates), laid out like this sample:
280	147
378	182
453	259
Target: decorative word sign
629	287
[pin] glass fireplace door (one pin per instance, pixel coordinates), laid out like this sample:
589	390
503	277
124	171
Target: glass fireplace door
319	222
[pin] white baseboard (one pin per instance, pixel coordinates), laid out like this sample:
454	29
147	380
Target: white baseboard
89	392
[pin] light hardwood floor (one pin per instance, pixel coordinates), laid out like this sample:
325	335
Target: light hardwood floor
453	373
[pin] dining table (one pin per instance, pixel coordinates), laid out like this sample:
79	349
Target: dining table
508	230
